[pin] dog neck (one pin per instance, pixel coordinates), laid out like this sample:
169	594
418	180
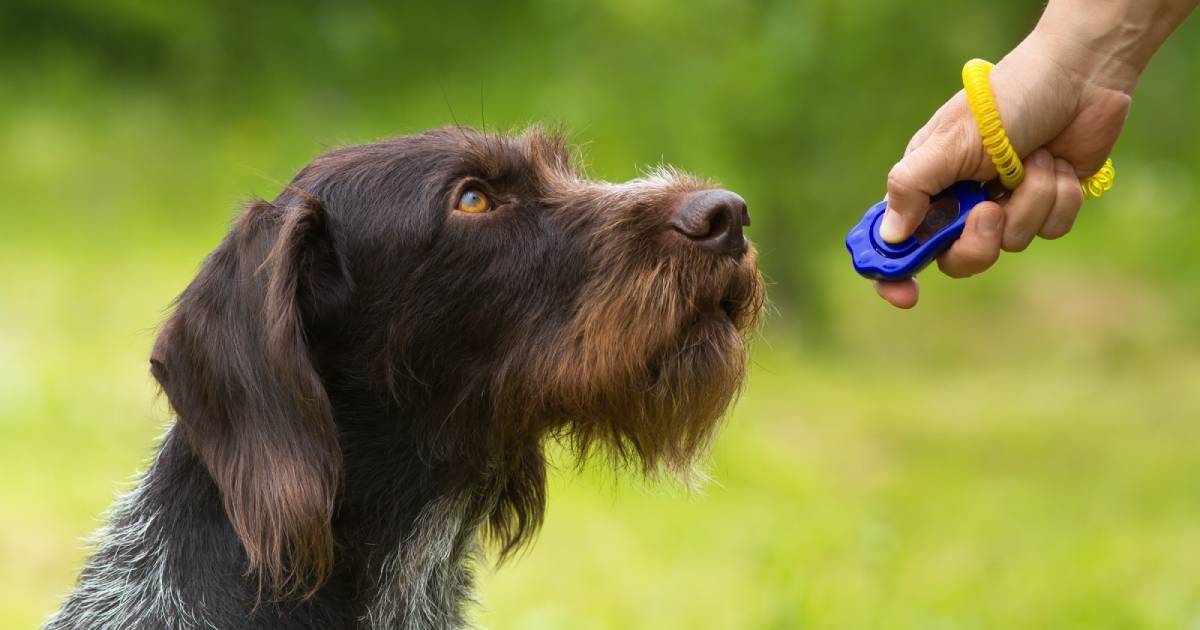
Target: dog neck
408	521
406	532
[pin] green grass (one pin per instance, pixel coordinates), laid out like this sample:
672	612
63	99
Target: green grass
837	509
1017	485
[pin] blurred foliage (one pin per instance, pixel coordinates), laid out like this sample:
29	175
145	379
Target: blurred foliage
801	106
1015	453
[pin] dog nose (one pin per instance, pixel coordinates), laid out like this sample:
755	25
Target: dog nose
713	220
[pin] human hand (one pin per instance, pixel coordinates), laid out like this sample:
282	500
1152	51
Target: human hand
1063	113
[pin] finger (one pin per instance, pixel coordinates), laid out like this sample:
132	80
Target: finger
1030	204
911	182
979	246
1067	202
898	293
944	157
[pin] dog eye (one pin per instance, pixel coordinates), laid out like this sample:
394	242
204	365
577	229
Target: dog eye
474	202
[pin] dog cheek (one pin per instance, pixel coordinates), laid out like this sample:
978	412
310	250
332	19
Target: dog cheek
631	371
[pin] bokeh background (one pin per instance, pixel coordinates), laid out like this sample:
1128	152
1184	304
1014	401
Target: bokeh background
1018	452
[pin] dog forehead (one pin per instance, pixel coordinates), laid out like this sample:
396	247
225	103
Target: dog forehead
536	156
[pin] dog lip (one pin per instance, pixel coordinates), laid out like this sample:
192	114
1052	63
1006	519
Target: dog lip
729	308
727	301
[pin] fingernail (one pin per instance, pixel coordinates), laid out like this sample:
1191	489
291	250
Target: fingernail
1041	157
1063	166
989	223
891	228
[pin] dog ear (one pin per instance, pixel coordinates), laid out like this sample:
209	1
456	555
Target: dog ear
235	363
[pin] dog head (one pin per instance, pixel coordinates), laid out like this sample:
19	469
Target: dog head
477	278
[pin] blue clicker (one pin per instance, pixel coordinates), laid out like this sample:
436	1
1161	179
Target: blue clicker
948	212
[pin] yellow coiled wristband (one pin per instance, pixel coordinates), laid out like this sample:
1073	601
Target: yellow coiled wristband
995	141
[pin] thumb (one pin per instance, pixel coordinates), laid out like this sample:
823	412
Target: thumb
949	154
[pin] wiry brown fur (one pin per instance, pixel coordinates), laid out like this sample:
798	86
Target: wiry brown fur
618	370
364	379
252	404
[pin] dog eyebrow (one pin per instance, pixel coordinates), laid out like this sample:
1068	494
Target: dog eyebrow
515	164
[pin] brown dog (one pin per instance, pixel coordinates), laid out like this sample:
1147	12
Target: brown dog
365	371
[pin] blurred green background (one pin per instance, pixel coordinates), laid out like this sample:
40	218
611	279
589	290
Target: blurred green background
1018	452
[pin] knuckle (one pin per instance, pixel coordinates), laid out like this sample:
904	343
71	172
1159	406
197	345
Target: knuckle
952	269
1016	243
1070	192
969	145
1045	180
1020	227
1071	196
899	179
918	138
978	258
1055	230
1041	185
967	261
949	269
987	259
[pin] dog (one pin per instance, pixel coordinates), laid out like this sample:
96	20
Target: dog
365	371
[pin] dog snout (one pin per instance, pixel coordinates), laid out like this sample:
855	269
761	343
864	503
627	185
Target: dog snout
713	220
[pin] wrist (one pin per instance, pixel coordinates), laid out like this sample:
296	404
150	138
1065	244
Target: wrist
1108	42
